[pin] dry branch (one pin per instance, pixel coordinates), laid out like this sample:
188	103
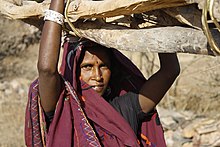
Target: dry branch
97	9
188	15
101	9
160	39
27	10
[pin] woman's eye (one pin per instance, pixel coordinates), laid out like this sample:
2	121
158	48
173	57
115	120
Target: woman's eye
104	66
87	67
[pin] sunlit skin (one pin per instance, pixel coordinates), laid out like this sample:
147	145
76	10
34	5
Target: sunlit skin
95	69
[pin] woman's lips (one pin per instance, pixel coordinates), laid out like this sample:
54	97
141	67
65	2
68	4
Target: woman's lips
98	88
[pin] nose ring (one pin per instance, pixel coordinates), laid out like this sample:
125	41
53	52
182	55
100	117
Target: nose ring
98	77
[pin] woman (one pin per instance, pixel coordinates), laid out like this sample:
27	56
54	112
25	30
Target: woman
101	99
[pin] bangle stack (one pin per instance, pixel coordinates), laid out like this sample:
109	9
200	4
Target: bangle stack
54	16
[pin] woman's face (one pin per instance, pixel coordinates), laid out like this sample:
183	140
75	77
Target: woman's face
95	69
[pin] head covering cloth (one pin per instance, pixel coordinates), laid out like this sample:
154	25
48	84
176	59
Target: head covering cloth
82	117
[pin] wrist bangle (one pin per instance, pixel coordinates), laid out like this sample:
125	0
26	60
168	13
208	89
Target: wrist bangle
54	16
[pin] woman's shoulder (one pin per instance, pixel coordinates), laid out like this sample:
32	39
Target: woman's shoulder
129	99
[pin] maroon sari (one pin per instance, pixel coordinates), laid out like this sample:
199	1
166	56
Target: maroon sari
82	117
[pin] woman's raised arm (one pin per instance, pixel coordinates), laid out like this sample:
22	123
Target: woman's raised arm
158	84
49	79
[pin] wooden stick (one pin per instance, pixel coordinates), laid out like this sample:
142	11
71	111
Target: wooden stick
160	39
109	8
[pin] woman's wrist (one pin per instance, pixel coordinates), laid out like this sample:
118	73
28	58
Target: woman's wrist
55	12
54	16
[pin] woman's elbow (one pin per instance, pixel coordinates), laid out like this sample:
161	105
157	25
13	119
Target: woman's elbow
174	72
171	73
46	69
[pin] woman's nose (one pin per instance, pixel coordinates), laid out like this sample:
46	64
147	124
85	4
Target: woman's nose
97	74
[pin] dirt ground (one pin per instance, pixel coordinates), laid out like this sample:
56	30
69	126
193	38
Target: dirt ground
18	56
197	89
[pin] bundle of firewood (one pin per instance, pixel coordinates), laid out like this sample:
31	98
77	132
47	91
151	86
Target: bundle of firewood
135	25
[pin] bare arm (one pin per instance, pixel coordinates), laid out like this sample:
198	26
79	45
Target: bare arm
158	84
49	79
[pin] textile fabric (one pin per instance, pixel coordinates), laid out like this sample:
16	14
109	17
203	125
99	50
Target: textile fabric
82	117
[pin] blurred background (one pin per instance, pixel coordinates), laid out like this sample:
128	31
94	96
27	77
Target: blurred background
189	112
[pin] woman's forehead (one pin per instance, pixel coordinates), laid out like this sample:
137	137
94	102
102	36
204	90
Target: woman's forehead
101	54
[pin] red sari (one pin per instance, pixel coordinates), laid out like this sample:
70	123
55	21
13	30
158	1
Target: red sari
82	117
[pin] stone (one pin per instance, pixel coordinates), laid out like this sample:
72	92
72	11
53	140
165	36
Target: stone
8	91
207	127
21	91
14	84
188	144
217	143
4	85
169	138
196	140
179	139
210	138
188	115
169	123
189	131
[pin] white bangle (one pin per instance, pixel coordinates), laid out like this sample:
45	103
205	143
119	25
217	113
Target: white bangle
54	16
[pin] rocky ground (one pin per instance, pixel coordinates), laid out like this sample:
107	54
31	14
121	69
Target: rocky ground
189	111
18	55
